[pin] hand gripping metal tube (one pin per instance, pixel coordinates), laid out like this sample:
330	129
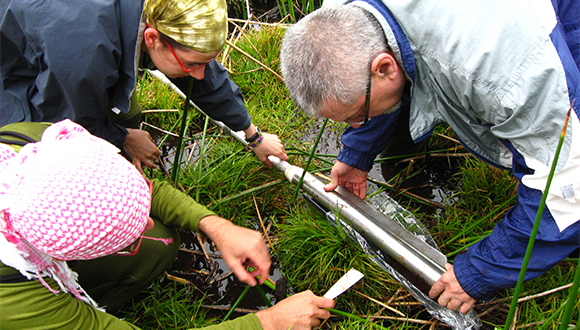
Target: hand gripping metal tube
411	252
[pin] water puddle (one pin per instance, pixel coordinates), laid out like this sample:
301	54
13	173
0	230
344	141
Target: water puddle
200	266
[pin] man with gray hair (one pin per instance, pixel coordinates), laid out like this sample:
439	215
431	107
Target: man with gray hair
502	74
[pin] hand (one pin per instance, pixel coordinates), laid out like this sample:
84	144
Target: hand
353	179
240	248
140	147
271	145
450	293
299	312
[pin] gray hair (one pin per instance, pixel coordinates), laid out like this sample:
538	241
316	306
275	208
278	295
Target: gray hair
327	54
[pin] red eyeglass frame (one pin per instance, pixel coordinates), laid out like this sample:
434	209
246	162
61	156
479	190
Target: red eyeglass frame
194	66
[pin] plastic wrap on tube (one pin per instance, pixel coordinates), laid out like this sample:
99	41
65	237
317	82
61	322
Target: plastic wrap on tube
384	231
389	207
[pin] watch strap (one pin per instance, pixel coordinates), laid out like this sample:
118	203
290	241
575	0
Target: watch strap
254	137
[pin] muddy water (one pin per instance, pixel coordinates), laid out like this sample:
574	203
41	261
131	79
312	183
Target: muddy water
430	179
210	276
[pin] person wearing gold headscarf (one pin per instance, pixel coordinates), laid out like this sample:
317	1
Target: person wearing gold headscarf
82	66
198	24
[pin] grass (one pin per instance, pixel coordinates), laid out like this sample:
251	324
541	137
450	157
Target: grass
309	252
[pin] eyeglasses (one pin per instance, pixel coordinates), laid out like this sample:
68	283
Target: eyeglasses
192	66
132	249
367	106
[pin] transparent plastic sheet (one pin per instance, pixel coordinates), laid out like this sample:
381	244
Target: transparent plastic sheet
392	209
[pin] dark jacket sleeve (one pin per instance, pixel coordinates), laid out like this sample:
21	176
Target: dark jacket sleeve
362	145
72	60
218	96
494	263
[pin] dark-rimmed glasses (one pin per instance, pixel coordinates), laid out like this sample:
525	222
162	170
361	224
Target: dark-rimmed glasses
367	106
193	66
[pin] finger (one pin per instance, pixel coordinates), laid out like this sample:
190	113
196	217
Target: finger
360	193
331	186
315	322
149	163
453	305
261	264
363	191
354	188
334	180
137	165
260	274
322	314
267	162
347	185
444	300
325	303
243	275
259	270
436	290
282	155
466	307
444	295
357	190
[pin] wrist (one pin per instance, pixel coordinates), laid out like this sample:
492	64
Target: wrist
252	145
212	225
265	316
254	137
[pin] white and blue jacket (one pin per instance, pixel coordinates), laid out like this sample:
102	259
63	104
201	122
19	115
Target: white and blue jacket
502	74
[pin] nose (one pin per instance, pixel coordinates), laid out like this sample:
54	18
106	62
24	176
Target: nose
198	74
150	224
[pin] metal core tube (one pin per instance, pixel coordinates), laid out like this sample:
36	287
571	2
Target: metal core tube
411	252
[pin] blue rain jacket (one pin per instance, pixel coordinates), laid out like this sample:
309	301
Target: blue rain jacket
502	74
77	60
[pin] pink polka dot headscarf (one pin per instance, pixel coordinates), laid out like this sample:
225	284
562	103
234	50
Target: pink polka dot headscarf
71	196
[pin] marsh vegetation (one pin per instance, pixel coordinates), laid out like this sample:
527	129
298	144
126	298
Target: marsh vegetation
310	253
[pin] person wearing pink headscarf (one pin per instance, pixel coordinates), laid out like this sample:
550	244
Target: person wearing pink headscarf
77	237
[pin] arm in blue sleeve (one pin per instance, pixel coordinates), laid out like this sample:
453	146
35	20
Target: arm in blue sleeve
494	263
218	96
362	145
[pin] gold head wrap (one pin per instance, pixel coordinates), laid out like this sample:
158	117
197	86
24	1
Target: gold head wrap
198	24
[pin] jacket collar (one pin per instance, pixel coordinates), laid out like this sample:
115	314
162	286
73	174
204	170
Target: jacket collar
396	38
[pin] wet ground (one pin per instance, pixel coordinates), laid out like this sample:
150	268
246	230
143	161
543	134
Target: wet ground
200	265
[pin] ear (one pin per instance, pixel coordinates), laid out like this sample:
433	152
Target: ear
385	65
150	37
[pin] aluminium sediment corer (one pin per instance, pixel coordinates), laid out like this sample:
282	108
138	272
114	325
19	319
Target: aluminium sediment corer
407	249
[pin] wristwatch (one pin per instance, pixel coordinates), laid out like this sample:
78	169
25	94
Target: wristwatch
254	137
